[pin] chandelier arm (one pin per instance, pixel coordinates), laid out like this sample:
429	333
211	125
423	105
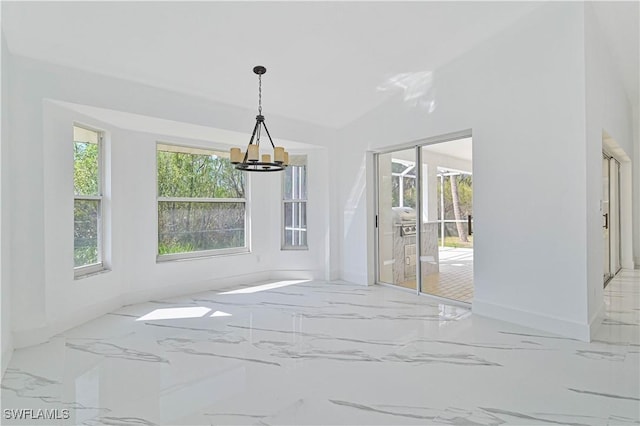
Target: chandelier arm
267	130
253	135
246	154
258	134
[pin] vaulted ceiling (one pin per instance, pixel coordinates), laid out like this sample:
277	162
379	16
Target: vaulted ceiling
328	62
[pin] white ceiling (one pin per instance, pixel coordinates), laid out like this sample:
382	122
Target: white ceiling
325	60
328	62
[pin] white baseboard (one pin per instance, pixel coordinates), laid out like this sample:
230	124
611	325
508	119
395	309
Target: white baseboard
334	274
23	338
194	287
341	281
6	359
355	277
596	321
36	336
559	326
295	275
218	284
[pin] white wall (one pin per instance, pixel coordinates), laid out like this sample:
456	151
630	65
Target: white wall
46	299
607	109
636	188
522	94
317	259
5	259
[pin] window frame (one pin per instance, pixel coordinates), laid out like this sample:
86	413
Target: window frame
93	268
200	254
305	201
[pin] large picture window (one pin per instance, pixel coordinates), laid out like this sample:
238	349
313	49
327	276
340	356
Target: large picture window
201	203
87	212
294	199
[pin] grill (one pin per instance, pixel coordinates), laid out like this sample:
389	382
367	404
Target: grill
408	229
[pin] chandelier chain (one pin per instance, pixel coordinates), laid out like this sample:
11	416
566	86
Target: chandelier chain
260	94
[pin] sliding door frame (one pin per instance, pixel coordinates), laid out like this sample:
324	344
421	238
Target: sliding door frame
615	262
417	146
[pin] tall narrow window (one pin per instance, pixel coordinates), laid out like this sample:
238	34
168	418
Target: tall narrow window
201	203
87	212
294	198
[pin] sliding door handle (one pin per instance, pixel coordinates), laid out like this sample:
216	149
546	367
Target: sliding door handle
469	226
606	221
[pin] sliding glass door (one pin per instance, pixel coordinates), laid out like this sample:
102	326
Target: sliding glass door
614	205
396	218
610	217
424	219
447	225
606	217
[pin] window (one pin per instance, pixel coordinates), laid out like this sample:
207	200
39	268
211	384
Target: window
403	192
201	203
294	199
87	211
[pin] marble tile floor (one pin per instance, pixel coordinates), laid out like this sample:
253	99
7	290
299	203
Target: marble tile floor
329	353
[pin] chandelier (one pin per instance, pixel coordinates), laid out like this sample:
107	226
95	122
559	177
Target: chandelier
250	160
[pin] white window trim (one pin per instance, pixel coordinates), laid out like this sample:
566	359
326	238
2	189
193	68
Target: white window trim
285	229
88	270
192	255
202	254
305	201
200	200
94	268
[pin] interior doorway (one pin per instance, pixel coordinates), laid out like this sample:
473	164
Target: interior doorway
424	219
611	217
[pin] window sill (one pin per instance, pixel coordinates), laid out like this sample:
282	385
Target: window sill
82	273
179	257
295	248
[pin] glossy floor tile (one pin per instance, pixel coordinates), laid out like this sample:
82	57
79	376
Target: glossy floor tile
329	353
